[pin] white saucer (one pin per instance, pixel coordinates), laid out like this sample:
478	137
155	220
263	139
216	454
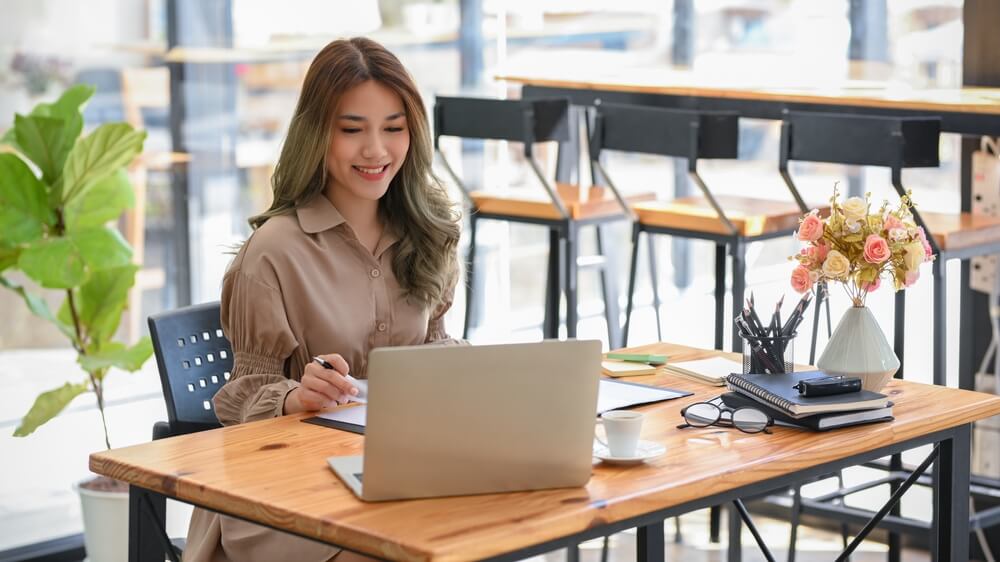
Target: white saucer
644	451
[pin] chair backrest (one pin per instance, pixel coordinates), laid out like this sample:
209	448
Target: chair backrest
526	121
863	140
668	132
194	359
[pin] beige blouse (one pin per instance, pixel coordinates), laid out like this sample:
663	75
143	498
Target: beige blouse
302	285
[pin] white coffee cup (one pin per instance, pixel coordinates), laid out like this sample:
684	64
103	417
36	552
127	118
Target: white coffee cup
622	430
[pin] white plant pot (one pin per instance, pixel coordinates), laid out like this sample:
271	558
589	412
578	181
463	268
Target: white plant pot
858	348
105	524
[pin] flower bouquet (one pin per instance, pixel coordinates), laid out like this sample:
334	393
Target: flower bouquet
857	247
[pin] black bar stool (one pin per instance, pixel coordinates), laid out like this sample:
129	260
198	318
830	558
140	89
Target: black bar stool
563	209
730	222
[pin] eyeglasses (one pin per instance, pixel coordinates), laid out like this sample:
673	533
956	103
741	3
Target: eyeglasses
714	412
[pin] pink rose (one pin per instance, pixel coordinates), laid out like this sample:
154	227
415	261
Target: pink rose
811	228
822	250
928	251
876	249
801	281
891	222
873	286
911	277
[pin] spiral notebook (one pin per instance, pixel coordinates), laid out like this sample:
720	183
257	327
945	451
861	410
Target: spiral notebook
778	392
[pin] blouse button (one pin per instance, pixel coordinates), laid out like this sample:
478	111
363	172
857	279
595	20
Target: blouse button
376	273
382	326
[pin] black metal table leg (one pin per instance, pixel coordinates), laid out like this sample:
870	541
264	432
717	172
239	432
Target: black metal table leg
738	250
735	550
147	539
720	296
649	545
571	254
553	286
940	328
636	230
951	497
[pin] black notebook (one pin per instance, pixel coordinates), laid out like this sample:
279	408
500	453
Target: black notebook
778	392
815	422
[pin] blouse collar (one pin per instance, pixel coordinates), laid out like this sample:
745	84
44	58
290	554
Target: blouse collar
318	214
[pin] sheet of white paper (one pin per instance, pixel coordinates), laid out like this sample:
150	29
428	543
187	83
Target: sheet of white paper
362	386
615	394
354	414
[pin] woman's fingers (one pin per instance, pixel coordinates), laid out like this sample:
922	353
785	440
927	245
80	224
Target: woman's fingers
338	362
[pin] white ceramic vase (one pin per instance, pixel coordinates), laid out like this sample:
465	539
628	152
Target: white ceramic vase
105	524
858	348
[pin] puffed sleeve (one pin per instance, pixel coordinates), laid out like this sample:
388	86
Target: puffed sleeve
436	332
253	318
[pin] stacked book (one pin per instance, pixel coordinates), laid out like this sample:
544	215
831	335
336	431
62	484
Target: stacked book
713	370
776	394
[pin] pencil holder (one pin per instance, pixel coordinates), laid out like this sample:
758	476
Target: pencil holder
771	355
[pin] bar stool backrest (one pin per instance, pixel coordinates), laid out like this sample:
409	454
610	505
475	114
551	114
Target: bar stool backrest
862	140
526	121
679	133
194	359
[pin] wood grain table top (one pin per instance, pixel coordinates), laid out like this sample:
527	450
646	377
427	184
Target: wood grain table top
275	472
669	81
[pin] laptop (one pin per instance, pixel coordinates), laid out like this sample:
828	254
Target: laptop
458	420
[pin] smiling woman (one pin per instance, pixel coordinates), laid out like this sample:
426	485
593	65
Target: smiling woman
357	251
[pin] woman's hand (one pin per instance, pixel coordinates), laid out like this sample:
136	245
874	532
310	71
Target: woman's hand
321	387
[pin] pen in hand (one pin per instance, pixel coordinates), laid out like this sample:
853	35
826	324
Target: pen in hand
327	365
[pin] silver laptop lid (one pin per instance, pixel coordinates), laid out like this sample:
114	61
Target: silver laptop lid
455	420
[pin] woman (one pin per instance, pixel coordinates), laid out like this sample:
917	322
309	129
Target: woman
357	251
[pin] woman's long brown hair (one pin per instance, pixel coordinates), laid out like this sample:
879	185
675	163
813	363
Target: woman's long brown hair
416	205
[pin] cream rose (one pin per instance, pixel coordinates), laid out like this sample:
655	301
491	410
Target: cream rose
855	209
837	265
914	255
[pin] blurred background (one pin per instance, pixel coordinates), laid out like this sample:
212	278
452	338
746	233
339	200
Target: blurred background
215	83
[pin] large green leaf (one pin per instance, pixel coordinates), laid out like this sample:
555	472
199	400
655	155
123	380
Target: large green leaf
47	141
101	247
103	202
68	107
8	256
38	306
69	103
54	263
47	406
24	210
102	299
115	354
97	155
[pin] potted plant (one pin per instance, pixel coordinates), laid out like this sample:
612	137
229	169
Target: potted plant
58	192
856	247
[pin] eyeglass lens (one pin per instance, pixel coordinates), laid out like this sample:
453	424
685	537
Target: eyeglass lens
704	414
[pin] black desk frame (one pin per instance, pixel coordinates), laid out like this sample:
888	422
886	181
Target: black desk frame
950	524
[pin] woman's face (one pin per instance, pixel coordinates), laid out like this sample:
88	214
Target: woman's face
369	143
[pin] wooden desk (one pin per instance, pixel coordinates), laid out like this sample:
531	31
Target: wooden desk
974	111
274	472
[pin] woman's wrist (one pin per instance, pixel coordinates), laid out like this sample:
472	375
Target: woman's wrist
292	404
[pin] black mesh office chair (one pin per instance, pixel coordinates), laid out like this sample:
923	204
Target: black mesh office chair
194	359
563	209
